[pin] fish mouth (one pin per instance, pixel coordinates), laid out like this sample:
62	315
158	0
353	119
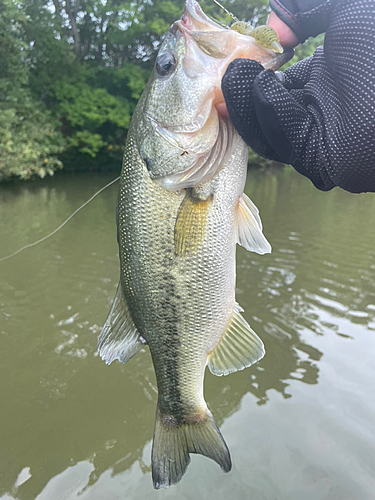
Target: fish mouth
218	42
193	14
184	153
189	166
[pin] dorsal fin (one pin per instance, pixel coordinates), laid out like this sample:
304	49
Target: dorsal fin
119	338
239	347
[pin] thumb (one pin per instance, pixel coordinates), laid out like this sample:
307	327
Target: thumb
287	37
237	86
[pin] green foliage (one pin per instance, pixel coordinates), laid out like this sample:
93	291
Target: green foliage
72	72
89	111
30	136
254	12
29	140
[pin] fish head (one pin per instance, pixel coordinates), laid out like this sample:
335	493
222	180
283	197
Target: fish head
183	140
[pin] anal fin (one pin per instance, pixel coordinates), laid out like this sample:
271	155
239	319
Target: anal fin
239	347
249	227
191	224
119	338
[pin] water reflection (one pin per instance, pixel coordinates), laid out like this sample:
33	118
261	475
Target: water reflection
75	427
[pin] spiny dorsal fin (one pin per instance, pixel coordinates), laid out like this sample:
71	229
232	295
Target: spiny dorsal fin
119	338
191	224
239	347
249	227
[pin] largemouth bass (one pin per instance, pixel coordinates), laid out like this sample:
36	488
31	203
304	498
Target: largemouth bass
180	212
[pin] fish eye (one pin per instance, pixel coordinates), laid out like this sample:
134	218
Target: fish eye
166	64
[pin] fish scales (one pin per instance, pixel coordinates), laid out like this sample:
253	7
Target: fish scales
180	212
181	303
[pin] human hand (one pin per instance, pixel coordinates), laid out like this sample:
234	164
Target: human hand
321	119
287	37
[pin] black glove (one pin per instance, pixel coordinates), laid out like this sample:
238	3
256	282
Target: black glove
322	118
304	17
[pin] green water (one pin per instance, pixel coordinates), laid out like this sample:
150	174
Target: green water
300	424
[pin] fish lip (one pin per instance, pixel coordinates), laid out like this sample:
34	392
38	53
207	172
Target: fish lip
195	11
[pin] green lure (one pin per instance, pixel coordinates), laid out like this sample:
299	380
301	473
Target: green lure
264	35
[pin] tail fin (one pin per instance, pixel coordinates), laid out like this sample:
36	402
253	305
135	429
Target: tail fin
173	442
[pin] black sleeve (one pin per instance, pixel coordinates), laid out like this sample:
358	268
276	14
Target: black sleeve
322	118
305	17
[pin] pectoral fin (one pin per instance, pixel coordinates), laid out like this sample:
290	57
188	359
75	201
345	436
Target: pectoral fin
119	338
239	347
191	224
249	227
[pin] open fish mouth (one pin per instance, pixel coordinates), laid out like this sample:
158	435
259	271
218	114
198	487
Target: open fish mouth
194	15
188	142
197	164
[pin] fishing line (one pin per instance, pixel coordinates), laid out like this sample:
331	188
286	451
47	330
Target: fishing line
227	11
61	225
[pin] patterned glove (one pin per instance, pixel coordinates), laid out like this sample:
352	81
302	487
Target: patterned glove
322	118
304	17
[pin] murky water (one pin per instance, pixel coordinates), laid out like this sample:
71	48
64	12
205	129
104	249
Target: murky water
300	424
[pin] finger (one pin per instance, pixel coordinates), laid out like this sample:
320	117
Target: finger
287	37
237	87
299	74
222	108
293	130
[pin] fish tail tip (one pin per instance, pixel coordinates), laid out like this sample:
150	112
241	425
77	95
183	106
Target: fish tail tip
174	442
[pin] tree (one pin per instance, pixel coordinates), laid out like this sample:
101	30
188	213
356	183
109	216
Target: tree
83	66
72	72
29	136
